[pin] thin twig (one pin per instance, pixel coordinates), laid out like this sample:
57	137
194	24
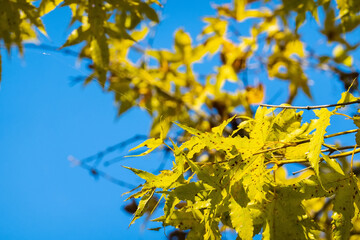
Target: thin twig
113	148
292	144
341	133
98	173
337	148
302	160
310	107
302	170
346	153
330	148
327	150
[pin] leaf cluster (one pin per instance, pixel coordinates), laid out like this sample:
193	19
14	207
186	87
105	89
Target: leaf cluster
242	184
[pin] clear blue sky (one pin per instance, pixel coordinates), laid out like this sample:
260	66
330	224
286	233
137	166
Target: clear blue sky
43	120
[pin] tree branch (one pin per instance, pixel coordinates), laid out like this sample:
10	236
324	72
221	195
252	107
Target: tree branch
310	107
304	141
302	160
97	173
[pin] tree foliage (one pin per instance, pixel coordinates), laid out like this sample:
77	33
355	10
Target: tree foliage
230	160
243	185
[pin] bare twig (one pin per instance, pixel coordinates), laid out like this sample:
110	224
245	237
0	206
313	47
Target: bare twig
113	148
333	149
341	133
310	107
302	160
302	170
97	173
292	144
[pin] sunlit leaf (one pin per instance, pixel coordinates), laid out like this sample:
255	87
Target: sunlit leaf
318	137
151	144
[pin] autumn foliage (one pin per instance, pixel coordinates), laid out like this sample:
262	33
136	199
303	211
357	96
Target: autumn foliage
231	157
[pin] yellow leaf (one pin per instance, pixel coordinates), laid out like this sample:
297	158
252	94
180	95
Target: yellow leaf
219	129
255	95
333	164
141	209
295	47
318	138
239	7
338	51
227	72
241	220
47	6
77	36
348	61
151	144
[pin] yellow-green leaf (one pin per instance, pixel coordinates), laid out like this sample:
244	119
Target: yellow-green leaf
345	98
141	209
241	220
47	6
151	144
318	138
343	210
219	129
143	174
333	164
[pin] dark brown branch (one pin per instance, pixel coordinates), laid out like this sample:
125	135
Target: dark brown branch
310	107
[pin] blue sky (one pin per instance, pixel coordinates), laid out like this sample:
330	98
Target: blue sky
44	120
